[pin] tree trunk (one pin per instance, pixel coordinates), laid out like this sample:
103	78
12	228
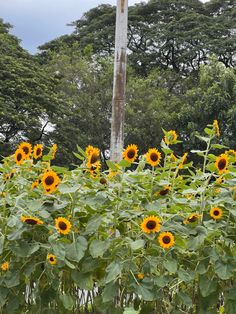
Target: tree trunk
119	81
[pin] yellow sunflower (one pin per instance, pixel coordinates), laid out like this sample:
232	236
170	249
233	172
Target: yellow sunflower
130	153
93	169
166	240
231	153
63	225
19	156
38	151
34	184
170	137
216	128
151	224
192	218
140	275
173	158
5	266
27	148
50	181
31	220
153	157
89	149
52	259
216	213
93	156
221	163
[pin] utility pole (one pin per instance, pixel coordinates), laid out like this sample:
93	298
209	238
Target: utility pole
119	81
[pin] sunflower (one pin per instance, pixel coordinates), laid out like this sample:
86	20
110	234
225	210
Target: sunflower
164	191
63	225
151	224
50	190
53	150
216	128
19	156
52	259
89	149
166	240
50	181
130	153
93	156
31	220
140	275
170	137
231	153
183	160
216	213
27	148
93	169
34	184
221	163
220	180
173	158
38	151
192	218
5	266
153	157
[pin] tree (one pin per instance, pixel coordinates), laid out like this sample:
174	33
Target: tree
28	102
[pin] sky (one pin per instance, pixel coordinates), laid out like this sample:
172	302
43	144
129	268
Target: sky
39	21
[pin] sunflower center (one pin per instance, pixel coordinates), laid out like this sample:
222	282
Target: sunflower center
31	221
62	225
94	158
19	157
151	224
38	151
222	164
166	239
26	150
51	259
131	153
164	192
216	212
192	219
154	157
49	180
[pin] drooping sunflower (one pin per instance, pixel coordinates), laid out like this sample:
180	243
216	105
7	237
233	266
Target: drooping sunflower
50	181
89	149
192	218
216	213
38	151
164	191
52	259
53	150
221	163
31	220
94	169
5	266
183	160
140	276
166	240
153	157
93	156
216	128
151	224
170	137
172	157
63	225
19	156
130	153
27	148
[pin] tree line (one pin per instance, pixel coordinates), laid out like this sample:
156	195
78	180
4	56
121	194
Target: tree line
181	75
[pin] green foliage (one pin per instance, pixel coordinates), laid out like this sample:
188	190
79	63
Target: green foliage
109	260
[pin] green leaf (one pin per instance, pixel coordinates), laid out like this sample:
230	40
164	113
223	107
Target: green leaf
93	224
76	250
130	310
224	270
185	298
219	146
171	265
185	276
161	281
146	294
67	301
138	244
207	286
2	238
124	163
81	151
3	296
24	249
98	248
110	291
83	280
79	156
12	279
113	270
111	165
65	189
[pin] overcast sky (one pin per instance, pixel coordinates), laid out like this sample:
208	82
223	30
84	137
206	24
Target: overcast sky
38	21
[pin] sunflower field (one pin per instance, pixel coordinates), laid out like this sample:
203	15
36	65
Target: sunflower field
150	234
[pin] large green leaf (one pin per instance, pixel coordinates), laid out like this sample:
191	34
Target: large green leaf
98	248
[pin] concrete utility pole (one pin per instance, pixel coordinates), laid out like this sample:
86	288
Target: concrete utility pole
119	81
